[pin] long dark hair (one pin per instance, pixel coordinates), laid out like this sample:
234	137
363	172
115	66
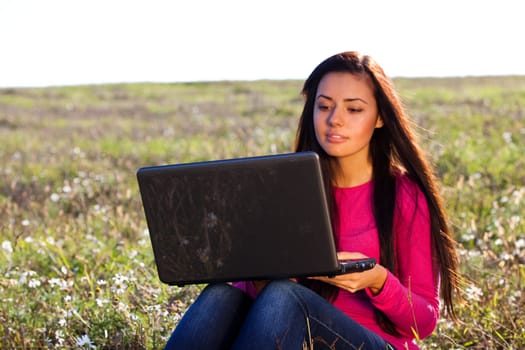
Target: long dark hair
393	149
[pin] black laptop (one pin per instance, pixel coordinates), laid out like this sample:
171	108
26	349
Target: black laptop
253	218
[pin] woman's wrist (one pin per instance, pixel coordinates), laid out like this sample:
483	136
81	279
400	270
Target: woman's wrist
379	281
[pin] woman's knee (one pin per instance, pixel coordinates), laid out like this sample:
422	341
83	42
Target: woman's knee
221	298
277	317
219	290
282	288
281	295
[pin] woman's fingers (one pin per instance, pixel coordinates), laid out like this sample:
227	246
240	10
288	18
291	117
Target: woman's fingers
350	255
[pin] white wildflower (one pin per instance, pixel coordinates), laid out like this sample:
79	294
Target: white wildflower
474	253
176	317
7	247
24	276
474	293
12	282
122	307
507	136
101	302
468	237
132	254
54	282
67	313
476	176
34	283
59	336
59	282
17	155
120	283
155	308
85	341
54	197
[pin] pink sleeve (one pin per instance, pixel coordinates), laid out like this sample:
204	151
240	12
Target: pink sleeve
411	299
247	287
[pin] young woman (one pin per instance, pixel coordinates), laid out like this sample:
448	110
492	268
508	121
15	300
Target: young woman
384	204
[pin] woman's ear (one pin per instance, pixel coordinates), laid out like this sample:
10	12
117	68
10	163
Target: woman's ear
379	122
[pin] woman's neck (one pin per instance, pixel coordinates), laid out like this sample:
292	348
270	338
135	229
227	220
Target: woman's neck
349	173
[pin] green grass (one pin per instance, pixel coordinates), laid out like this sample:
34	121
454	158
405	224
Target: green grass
76	259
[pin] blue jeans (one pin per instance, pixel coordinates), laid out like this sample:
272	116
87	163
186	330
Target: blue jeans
285	316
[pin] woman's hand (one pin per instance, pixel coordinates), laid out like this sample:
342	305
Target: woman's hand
374	279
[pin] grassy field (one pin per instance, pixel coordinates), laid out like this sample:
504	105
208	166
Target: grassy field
76	267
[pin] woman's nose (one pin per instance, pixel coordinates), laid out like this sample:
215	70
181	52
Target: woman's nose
335	118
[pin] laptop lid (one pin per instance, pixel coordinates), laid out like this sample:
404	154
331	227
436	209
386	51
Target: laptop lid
249	218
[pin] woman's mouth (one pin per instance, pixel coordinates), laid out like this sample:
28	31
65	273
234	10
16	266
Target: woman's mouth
335	138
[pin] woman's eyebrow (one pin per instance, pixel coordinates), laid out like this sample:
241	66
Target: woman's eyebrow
345	100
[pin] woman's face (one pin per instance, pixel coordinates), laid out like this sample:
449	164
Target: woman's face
345	116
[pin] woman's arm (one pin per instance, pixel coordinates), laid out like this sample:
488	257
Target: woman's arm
410	298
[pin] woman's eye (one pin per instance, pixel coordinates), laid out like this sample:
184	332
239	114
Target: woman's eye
355	110
323	107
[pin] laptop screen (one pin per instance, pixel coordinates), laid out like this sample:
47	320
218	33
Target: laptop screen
238	219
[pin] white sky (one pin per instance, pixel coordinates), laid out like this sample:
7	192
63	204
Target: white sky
70	42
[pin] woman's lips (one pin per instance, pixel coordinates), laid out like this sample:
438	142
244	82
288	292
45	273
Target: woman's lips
335	138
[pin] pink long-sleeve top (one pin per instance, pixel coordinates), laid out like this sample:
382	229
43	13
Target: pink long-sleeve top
410	295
